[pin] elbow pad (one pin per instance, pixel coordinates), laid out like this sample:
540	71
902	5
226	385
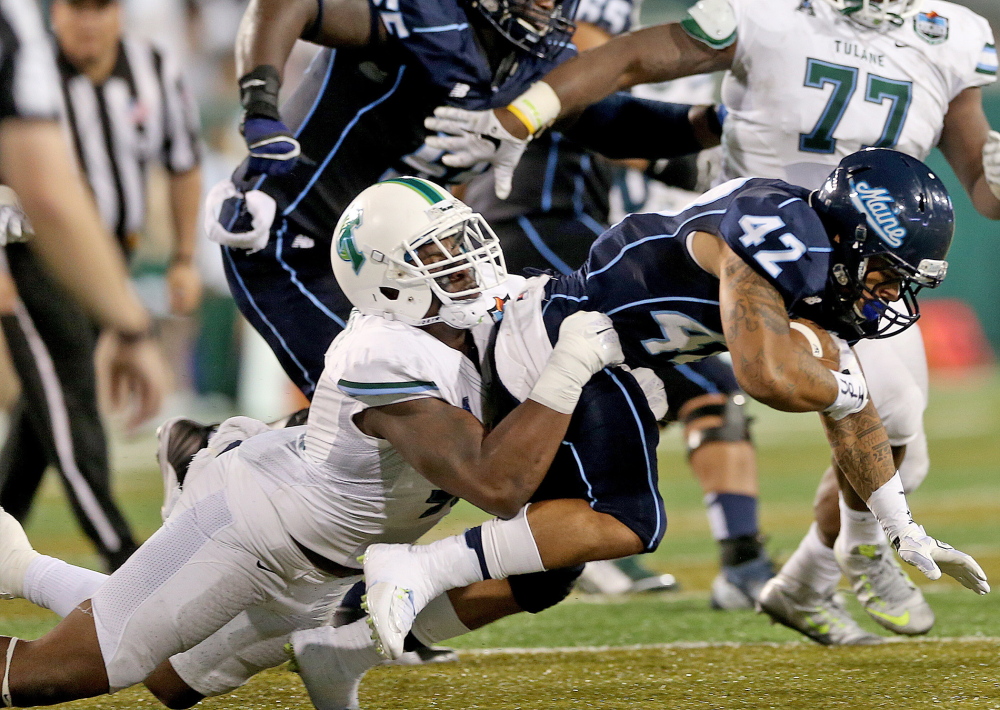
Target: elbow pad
712	22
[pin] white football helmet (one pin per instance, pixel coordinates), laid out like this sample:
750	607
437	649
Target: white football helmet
873	13
403	242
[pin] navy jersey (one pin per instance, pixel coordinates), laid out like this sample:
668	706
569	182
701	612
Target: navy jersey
359	112
663	305
556	175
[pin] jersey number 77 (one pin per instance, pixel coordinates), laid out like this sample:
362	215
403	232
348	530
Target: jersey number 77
844	79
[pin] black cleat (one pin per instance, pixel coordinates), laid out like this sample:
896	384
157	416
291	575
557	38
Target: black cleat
179	440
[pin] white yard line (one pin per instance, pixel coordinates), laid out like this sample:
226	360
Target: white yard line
704	644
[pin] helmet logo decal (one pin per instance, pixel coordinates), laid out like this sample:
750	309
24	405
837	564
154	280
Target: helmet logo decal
876	204
346	248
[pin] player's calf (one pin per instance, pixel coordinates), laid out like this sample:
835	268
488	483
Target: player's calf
65	664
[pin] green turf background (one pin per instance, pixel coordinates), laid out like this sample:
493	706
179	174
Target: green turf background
959	503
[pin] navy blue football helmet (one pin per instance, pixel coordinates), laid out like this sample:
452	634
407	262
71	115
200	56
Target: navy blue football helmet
884	205
533	26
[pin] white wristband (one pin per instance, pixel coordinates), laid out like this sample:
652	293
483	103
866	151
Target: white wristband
536	108
560	383
852	395
888	505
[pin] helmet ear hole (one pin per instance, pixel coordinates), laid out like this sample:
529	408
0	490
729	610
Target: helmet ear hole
391	293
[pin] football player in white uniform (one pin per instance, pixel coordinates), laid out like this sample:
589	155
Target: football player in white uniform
269	524
810	81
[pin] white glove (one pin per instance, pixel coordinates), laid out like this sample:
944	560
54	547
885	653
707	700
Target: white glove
587	344
932	557
14	224
260	206
652	387
991	162
475	137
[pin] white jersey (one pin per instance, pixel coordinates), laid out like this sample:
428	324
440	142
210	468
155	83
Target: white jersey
808	86
338	490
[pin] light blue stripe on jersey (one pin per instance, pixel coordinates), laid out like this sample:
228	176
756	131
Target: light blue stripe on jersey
578	299
347	129
686	299
550	171
375	389
541	247
583	474
278	249
650	473
696	377
789	201
988	61
270	326
441	28
654	237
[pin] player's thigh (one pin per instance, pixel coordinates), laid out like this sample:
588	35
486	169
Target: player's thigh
221	551
255	639
608	457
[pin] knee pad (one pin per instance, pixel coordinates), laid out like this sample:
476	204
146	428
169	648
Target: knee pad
735	423
538	591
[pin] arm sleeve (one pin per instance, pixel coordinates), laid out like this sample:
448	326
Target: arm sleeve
180	151
625	126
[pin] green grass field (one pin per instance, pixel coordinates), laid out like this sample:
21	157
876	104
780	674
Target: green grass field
670	650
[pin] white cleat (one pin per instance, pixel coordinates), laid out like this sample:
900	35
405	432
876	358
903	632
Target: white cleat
330	675
603	577
391	574
16	553
884	590
819	617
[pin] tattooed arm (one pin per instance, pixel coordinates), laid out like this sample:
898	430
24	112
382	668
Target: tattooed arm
861	450
770	366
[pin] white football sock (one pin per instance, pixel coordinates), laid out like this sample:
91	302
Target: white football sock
61	587
495	550
332	662
859	527
813	564
438	622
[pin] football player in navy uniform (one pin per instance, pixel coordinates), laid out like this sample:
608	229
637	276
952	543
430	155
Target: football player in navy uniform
908	75
356	118
558	206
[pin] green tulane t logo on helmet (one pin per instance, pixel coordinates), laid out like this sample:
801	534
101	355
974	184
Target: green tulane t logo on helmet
346	248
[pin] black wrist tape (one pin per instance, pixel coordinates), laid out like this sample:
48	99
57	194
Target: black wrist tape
259	92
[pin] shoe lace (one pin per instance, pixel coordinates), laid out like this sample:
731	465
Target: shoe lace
886	581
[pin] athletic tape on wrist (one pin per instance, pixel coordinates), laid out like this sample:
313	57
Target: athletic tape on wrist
852	396
536	108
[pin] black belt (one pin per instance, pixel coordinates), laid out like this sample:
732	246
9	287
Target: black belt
329	566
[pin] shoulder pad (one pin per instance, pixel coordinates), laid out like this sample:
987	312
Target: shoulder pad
781	238
712	22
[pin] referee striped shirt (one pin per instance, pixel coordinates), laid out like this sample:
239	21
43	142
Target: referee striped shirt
29	87
142	112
